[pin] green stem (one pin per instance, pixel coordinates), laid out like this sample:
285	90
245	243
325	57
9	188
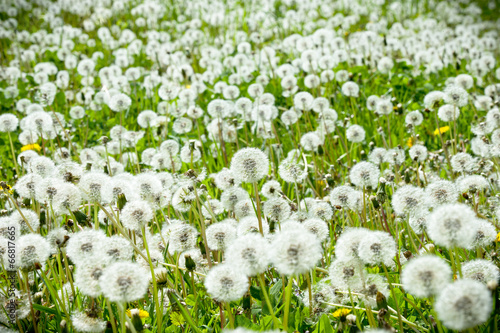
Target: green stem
288	300
268	302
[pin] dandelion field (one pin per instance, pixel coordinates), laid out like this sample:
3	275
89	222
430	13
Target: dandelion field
240	166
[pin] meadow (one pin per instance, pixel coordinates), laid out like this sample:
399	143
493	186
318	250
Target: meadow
241	166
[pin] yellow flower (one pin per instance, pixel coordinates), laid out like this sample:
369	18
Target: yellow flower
34	146
142	314
6	187
498	237
442	130
410	142
341	312
188	86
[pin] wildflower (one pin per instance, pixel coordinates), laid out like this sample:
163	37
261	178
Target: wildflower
249	253
84	244
181	237
350	89
414	118
87	275
220	235
377	247
136	214
231	196
408	199
271	189
347	246
318	227
124	282
277	209
441	192
463	304
292	170
441	130
355	133
226	284
295	252
347	274
85	323
250	164
364	174
418	153
481	270
484	234
341	312
8	122
426	276
456	95
450	225
142	313
31	249
115	248
250	224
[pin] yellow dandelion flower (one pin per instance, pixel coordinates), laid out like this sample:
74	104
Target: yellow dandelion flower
410	142
442	130
6	187
34	146
188	86
498	237
341	312
142	314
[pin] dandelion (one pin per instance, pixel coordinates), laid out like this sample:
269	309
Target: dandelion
441	130
84	244
88	274
182	237
220	235
456	95
450	225
124	282
481	270
346	274
426	276
32	249
463	304
364	174
295	252
441	192
83	322
377	247
136	214
418	153
355	133
347	247
8	122
34	146
249	253
292	170
277	209
350	89
119	102
250	165
408	199
225	284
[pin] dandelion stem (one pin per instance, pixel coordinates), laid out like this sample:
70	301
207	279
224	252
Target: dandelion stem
288	300
262	283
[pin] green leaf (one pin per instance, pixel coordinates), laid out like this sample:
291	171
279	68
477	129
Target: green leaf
177	319
45	309
190	300
243	321
324	323
256	292
80	217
